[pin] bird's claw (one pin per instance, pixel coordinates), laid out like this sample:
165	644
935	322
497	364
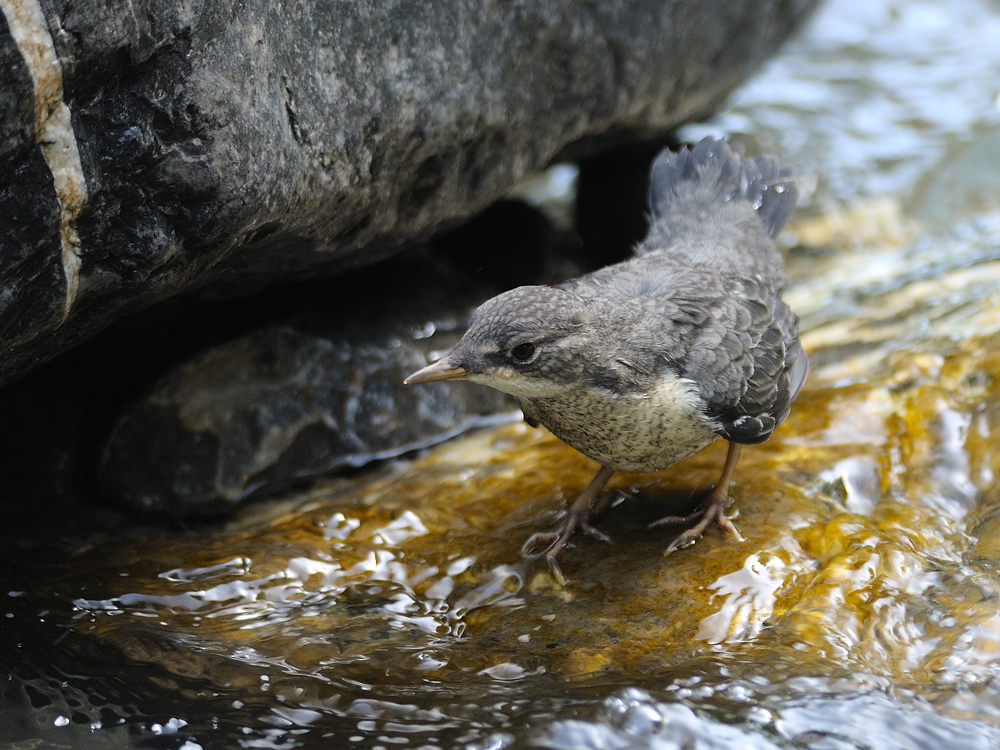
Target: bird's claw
597	534
540	541
712	509
680	542
551	543
677	520
554	542
586	506
726	525
554	570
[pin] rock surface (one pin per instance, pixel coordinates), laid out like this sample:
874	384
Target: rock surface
278	406
179	145
393	608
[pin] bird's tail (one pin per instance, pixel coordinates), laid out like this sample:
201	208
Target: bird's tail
713	171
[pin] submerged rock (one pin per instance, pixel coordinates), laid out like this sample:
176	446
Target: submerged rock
400	595
395	602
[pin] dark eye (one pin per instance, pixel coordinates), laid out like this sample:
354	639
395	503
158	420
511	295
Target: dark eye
523	352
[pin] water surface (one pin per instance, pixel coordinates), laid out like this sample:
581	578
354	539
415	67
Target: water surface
392	608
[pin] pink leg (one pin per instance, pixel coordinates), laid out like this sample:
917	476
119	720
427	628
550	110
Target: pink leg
578	517
712	508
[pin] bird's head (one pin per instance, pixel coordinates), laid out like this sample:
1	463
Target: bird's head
530	342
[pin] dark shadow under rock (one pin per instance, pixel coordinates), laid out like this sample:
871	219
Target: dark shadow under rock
317	385
320	389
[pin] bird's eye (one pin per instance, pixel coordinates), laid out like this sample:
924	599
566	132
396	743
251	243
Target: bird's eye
523	352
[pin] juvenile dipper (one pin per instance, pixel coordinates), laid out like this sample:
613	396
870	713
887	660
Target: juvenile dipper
644	363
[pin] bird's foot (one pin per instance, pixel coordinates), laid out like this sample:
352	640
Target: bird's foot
712	509
551	539
577	519
552	543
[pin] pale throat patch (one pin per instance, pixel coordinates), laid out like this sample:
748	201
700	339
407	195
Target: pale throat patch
519	386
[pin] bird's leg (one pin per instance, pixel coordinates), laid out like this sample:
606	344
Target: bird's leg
578	517
712	508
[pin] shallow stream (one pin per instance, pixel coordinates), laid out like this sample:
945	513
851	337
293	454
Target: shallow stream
392	608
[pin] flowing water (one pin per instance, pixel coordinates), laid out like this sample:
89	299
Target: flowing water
392	608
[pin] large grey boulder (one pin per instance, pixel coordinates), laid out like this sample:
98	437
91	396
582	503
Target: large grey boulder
161	146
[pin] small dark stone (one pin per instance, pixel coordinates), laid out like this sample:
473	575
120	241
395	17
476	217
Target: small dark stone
254	416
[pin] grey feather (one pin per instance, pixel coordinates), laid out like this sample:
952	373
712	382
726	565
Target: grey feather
722	175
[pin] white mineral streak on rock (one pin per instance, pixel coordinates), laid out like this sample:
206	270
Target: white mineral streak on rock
53	129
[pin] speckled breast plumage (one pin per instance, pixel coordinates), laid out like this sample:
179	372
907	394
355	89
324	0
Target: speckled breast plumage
628	432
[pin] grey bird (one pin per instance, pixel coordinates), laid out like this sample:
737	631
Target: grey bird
643	363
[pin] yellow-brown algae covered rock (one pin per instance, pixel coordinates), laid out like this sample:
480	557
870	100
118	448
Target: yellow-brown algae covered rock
844	522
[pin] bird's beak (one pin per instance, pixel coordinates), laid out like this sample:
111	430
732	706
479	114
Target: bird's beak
440	370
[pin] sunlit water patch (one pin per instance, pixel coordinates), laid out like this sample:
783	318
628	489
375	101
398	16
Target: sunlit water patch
877	97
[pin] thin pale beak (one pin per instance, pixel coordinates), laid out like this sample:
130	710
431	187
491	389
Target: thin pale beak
440	370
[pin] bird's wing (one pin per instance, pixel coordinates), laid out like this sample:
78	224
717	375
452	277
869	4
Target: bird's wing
734	338
748	362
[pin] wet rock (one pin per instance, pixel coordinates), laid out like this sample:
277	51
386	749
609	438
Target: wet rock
57	421
392	607
206	144
252	417
324	391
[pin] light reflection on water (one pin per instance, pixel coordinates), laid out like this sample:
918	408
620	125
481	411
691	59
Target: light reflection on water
369	588
876	95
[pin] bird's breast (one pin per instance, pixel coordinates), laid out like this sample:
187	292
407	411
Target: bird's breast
631	432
